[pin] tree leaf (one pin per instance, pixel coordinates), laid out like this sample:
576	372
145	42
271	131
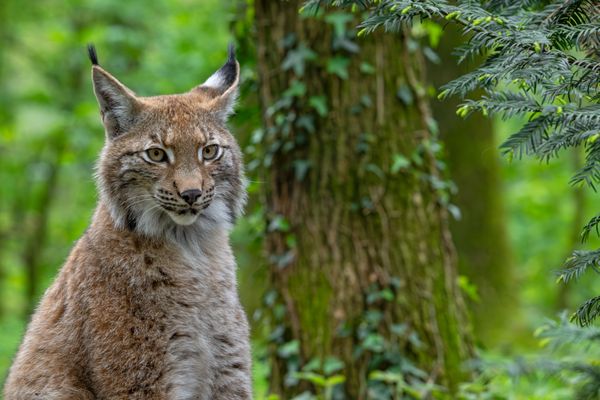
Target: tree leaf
338	65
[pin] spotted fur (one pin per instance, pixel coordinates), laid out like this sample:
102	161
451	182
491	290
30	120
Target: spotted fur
146	305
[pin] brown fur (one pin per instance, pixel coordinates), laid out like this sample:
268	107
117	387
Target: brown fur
146	305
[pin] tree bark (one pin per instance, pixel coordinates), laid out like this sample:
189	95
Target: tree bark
484	254
355	219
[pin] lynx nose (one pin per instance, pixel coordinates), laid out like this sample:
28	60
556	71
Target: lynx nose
190	196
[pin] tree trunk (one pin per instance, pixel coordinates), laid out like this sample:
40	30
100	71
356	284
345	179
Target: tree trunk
37	237
361	255
578	221
482	245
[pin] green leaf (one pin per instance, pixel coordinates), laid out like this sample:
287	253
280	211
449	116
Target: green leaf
312	377
304	396
374	342
331	365
434	31
296	89
463	110
431	55
301	168
387	294
399	329
335	380
386	376
443	94
312	365
405	94
279	223
291	241
306	122
319	103
339	20
376	170
297	59
452	15
468	288
400	163
338	65
367	68
289	349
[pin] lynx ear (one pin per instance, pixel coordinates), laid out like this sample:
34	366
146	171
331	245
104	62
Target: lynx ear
220	91
118	105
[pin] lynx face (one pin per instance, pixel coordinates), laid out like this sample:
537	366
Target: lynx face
169	164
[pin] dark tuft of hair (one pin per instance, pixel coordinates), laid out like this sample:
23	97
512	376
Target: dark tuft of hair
228	71
92	54
231	53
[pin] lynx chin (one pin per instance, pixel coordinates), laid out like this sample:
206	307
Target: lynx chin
146	305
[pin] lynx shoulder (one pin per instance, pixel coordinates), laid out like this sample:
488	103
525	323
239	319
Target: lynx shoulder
146	305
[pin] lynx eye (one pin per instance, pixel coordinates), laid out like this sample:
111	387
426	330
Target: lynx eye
210	152
157	155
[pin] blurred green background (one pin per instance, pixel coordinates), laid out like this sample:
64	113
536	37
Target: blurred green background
50	135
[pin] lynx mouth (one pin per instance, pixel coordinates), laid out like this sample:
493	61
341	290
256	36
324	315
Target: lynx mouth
184	217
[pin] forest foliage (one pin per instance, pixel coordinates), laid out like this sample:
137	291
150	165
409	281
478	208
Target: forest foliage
539	78
541	62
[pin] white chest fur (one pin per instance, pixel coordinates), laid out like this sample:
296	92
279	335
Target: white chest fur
198	308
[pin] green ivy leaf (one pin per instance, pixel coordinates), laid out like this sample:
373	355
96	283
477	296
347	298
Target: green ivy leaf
319	103
335	380
386	376
374	342
367	68
376	170
296	89
400	163
279	223
339	20
290	241
301	168
289	349
312	365
431	55
304	396
313	378
297	59
365	100
387	294
338	65
306	122
405	94
331	365
399	329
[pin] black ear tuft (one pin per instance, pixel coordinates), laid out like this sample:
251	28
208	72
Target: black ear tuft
220	90
229	71
231	52
92	54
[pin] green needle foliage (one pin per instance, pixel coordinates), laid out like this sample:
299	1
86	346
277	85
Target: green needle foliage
541	63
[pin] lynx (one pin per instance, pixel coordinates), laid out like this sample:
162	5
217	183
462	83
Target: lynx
146	305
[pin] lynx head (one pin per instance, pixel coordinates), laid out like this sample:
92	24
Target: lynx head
169	164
